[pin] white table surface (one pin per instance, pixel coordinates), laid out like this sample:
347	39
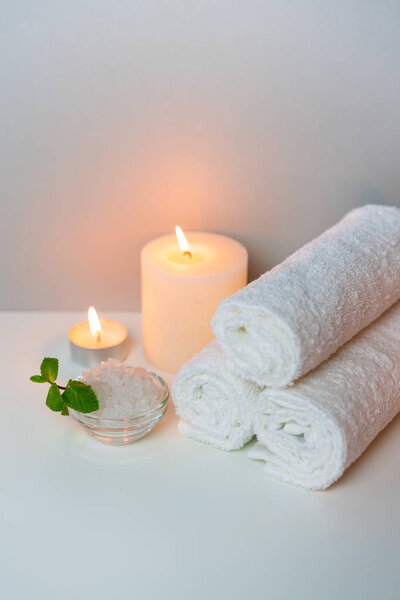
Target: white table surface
167	517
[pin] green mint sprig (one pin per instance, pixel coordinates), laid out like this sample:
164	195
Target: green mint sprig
75	395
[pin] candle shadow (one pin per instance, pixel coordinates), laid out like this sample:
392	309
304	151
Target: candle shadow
128	346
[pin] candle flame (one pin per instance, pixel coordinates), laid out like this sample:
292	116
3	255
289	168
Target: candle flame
94	323
182	241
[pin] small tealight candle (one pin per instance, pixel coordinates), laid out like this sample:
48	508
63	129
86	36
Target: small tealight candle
95	340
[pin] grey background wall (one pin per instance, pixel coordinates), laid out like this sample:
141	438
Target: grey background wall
265	120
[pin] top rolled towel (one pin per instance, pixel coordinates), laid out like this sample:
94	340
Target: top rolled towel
295	316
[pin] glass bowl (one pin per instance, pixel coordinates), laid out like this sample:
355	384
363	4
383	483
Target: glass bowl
125	430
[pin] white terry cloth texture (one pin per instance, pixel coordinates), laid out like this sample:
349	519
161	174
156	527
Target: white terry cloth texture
295	316
311	432
214	404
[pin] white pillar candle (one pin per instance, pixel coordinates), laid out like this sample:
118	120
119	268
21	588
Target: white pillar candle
181	289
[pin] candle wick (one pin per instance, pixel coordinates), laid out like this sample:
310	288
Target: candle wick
187	253
98	336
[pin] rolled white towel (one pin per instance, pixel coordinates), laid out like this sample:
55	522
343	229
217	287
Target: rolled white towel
292	318
311	432
214	404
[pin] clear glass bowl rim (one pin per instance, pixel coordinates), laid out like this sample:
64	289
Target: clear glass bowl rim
136	417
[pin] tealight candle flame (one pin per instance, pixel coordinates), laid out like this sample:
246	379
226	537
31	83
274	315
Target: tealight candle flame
182	241
94	323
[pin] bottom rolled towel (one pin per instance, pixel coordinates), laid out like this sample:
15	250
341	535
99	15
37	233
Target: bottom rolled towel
310	433
214	404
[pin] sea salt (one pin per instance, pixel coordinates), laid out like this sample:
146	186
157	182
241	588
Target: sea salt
123	391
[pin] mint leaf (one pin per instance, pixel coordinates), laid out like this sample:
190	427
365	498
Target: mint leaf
54	400
80	397
37	379
64	410
49	369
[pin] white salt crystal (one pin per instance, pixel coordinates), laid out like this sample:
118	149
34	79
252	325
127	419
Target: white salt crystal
123	391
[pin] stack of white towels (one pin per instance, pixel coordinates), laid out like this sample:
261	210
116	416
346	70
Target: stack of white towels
307	357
